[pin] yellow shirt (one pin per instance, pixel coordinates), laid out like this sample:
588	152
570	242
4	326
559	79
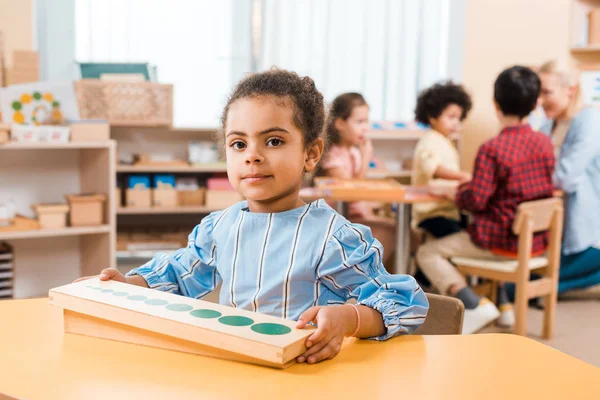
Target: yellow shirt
432	151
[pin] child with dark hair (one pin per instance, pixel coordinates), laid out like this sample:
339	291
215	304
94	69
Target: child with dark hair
348	156
273	253
513	167
443	107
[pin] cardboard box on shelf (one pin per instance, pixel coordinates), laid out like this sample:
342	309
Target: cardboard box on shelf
51	216
191	197
86	209
82	131
222	198
138	198
164	197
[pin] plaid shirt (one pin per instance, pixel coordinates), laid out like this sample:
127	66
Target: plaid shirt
514	167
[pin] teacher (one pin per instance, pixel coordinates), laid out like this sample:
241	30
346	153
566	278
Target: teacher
575	133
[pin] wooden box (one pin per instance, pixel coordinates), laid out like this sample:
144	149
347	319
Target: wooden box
594	27
191	197
90	131
164	197
86	209
125	103
4	133
218	199
138	198
128	313
51	216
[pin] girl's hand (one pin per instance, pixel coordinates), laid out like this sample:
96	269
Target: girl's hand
334	322
366	148
108	274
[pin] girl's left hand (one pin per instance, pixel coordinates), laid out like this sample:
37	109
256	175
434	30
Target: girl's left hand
334	322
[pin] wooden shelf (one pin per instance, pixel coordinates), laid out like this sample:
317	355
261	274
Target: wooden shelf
168	129
56	146
166	210
586	49
41	233
400	134
137	254
181	169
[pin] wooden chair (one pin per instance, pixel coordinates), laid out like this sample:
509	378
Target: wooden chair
445	316
532	217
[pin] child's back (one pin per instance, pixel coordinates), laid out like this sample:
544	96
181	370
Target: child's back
513	167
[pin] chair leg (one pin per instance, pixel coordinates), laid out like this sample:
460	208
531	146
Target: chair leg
494	291
550	313
520	308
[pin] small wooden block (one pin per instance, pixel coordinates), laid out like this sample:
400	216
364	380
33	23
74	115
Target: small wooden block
128	313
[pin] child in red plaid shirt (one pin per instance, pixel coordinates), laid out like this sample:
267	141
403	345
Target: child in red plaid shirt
513	167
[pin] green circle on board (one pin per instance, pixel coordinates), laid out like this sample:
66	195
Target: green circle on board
234	320
271	329
120	294
205	313
136	297
107	290
156	302
178	307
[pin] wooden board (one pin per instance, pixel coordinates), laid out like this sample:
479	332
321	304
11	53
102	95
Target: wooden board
384	190
128	313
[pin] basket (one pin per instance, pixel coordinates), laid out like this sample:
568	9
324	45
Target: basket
125	103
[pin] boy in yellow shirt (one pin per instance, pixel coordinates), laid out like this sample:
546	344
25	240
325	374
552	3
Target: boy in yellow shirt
443	107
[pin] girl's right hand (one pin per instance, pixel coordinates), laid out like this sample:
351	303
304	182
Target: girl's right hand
107	274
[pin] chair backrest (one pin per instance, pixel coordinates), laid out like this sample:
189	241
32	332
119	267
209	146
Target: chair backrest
537	216
539	212
445	316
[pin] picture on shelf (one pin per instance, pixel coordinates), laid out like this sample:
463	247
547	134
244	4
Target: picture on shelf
40	103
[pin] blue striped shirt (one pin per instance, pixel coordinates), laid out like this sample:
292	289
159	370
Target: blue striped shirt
283	263
578	175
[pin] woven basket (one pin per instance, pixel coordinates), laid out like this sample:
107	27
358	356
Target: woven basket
125	103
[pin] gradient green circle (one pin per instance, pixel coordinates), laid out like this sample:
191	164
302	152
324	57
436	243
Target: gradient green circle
271	329
205	313
235	320
178	307
156	302
120	294
107	290
136	297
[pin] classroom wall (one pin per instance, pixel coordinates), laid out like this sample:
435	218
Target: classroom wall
499	34
16	23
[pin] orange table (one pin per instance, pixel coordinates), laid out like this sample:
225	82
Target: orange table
404	201
38	361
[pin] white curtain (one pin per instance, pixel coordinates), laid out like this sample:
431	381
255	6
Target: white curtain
388	50
190	42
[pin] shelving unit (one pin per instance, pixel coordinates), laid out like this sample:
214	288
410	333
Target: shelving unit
192	169
44	173
165	210
145	139
585	48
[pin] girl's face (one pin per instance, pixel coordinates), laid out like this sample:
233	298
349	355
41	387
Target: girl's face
353	130
266	155
449	121
556	95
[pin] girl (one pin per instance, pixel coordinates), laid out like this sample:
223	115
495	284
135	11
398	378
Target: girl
348	157
273	253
